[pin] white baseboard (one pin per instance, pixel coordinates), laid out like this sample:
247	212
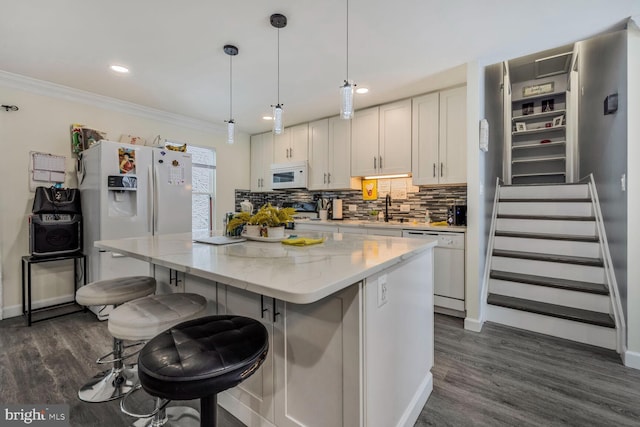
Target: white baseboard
473	325
631	359
411	414
16	310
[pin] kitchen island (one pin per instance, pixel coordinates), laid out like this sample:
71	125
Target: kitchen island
350	322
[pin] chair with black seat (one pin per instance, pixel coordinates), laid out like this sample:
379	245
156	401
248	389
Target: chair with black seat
198	359
113	383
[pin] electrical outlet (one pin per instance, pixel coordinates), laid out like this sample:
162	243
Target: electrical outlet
353	208
405	208
383	294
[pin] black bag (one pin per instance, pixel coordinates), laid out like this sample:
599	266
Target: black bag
57	201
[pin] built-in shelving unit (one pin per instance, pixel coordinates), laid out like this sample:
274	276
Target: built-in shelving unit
538	135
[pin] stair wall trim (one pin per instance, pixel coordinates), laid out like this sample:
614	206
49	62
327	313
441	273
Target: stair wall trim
610	276
562	328
484	292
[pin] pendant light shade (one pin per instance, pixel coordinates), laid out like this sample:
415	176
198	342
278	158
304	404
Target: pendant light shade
231	124
346	90
278	21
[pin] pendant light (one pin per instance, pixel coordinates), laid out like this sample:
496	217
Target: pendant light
278	21
346	90
231	124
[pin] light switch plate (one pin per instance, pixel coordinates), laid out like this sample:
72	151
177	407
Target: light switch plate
353	208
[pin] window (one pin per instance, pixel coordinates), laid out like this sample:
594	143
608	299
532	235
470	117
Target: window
202	187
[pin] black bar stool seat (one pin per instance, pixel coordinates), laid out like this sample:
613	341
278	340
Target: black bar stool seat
199	358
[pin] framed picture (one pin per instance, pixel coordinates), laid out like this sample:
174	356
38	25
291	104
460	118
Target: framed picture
527	108
557	121
547	105
369	189
521	126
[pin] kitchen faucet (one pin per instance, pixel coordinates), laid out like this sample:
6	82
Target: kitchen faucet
387	203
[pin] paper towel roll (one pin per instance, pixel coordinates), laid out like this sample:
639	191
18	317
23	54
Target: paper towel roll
337	209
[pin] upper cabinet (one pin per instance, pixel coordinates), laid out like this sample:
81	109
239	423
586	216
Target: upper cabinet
439	149
330	155
381	140
261	159
291	145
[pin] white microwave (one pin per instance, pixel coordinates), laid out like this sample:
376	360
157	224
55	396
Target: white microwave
289	175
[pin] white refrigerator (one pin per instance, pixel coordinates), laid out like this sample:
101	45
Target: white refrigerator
130	191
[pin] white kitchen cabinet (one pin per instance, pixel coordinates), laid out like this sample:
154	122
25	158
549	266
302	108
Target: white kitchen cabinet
257	391
168	281
381	140
316	347
261	159
291	145
346	229
384	231
330	155
439	149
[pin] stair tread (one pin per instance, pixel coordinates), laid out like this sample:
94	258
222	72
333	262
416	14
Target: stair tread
552	282
544	184
548	236
546	200
560	311
596	262
547	217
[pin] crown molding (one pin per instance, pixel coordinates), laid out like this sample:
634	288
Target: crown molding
41	87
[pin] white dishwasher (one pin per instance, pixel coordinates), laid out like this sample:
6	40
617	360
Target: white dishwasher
448	281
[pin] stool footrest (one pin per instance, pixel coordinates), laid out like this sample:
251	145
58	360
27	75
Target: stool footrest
103	361
160	405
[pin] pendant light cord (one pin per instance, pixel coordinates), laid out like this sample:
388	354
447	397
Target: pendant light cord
230	87
278	84
347	40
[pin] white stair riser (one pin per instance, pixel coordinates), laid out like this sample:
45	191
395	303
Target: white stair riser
580	191
579	228
581	273
567	298
542	246
561	328
545	208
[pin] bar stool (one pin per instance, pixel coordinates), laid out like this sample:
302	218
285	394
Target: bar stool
115	382
197	360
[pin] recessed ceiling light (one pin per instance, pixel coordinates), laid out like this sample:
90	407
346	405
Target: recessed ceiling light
362	90
267	118
119	69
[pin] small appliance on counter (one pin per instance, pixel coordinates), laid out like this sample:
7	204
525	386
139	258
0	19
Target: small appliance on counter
304	210
457	215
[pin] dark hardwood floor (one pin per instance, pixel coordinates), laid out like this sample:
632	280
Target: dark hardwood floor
499	377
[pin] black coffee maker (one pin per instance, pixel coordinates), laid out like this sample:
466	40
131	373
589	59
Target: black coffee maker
457	215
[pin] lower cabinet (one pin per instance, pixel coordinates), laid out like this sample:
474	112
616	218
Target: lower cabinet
168	281
312	369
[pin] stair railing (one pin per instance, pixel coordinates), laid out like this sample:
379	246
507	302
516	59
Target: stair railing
609	272
484	292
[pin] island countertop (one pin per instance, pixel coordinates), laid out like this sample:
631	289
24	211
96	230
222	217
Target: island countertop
293	274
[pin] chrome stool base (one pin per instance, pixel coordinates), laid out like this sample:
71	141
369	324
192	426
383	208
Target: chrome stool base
175	416
109	385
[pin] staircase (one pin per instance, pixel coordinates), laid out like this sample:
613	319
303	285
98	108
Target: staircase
547	270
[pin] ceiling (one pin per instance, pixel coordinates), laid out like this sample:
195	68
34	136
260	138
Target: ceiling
175	49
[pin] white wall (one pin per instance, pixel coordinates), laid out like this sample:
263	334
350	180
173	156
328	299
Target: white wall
632	358
42	124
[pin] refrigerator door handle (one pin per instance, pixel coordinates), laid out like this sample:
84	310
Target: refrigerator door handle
150	201
155	199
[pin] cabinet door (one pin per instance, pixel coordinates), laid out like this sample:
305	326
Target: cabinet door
281	146
339	153
425	132
393	232
364	142
395	138
261	159
256	392
318	154
352	230
317	359
453	136
315	226
298	150
166	280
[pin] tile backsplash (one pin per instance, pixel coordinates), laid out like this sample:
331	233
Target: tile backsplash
436	199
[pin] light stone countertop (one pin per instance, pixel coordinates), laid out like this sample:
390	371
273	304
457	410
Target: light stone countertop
393	224
293	274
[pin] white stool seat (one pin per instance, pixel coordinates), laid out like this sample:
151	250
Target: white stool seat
144	318
116	291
